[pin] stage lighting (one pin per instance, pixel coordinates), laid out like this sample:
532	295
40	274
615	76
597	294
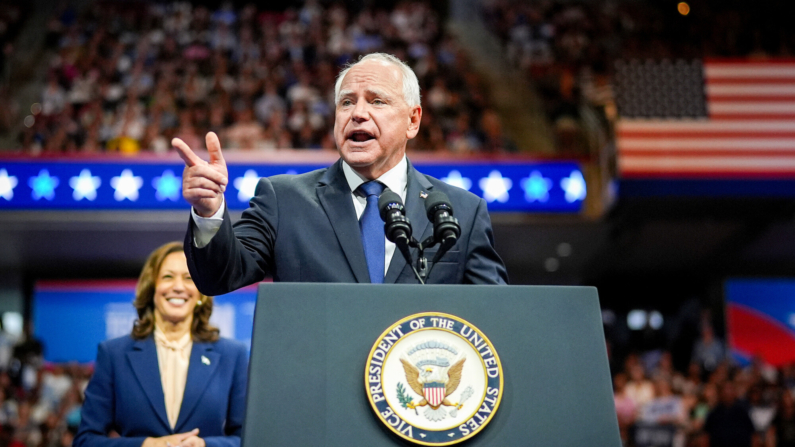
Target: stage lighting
683	8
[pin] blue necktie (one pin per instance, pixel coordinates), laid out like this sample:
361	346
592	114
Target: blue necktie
373	231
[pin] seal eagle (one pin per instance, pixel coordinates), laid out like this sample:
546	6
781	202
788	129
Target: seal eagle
434	388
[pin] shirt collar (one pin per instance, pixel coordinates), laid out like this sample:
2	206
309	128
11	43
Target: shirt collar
394	179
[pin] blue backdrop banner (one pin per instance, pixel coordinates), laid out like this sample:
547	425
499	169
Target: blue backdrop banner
73	317
520	186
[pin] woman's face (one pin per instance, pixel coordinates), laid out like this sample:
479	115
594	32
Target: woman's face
175	294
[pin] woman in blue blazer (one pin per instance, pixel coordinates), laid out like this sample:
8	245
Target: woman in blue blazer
171	382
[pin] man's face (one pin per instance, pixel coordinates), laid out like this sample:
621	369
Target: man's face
373	121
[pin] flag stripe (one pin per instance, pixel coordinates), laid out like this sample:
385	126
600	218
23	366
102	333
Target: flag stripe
748	71
727	144
733	90
686	152
775	108
746	116
711	164
749	81
748	99
707	134
701	125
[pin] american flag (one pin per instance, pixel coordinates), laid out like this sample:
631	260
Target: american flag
724	118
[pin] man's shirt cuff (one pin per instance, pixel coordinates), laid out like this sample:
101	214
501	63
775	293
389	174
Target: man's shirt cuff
204	228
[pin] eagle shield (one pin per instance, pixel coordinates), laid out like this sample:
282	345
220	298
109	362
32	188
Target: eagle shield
434	393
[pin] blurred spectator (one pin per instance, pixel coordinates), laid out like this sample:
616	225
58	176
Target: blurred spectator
28	358
54	384
639	388
708	351
625	406
728	424
665	407
27	428
245	133
12	18
661	421
782	433
761	412
692	383
707	401
53	98
7	342
9	410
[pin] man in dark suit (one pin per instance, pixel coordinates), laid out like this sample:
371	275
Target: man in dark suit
319	226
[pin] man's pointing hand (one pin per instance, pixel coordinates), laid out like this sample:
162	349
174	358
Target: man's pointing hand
203	183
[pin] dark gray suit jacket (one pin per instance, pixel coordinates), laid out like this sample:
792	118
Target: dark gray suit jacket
303	228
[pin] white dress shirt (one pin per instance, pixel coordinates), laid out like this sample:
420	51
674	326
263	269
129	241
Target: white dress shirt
395	179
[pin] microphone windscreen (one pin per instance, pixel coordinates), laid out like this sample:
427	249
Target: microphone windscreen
388	197
435	200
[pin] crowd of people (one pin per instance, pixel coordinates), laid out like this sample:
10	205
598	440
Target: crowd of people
39	403
12	16
130	76
568	49
715	402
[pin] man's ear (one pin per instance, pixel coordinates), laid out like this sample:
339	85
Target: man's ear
415	116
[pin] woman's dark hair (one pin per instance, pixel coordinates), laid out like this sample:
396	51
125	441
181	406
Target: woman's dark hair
201	329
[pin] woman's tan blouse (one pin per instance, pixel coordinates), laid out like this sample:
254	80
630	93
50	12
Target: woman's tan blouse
173	357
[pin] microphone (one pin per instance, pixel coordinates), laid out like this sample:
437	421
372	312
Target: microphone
397	227
446	229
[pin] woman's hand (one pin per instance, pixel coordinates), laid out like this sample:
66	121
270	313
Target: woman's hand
193	441
174	440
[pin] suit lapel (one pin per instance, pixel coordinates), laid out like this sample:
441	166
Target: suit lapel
203	363
143	361
335	197
415	211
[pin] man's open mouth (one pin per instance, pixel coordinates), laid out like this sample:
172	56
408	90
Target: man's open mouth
360	136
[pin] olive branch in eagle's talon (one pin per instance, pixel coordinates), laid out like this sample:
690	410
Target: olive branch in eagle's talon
405	400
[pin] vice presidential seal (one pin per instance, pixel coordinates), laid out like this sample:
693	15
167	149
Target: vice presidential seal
434	379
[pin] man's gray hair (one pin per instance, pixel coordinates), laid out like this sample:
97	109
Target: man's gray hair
411	87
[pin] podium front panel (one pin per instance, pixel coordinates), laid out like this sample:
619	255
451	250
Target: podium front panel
311	342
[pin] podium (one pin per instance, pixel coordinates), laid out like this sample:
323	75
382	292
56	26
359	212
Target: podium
311	342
